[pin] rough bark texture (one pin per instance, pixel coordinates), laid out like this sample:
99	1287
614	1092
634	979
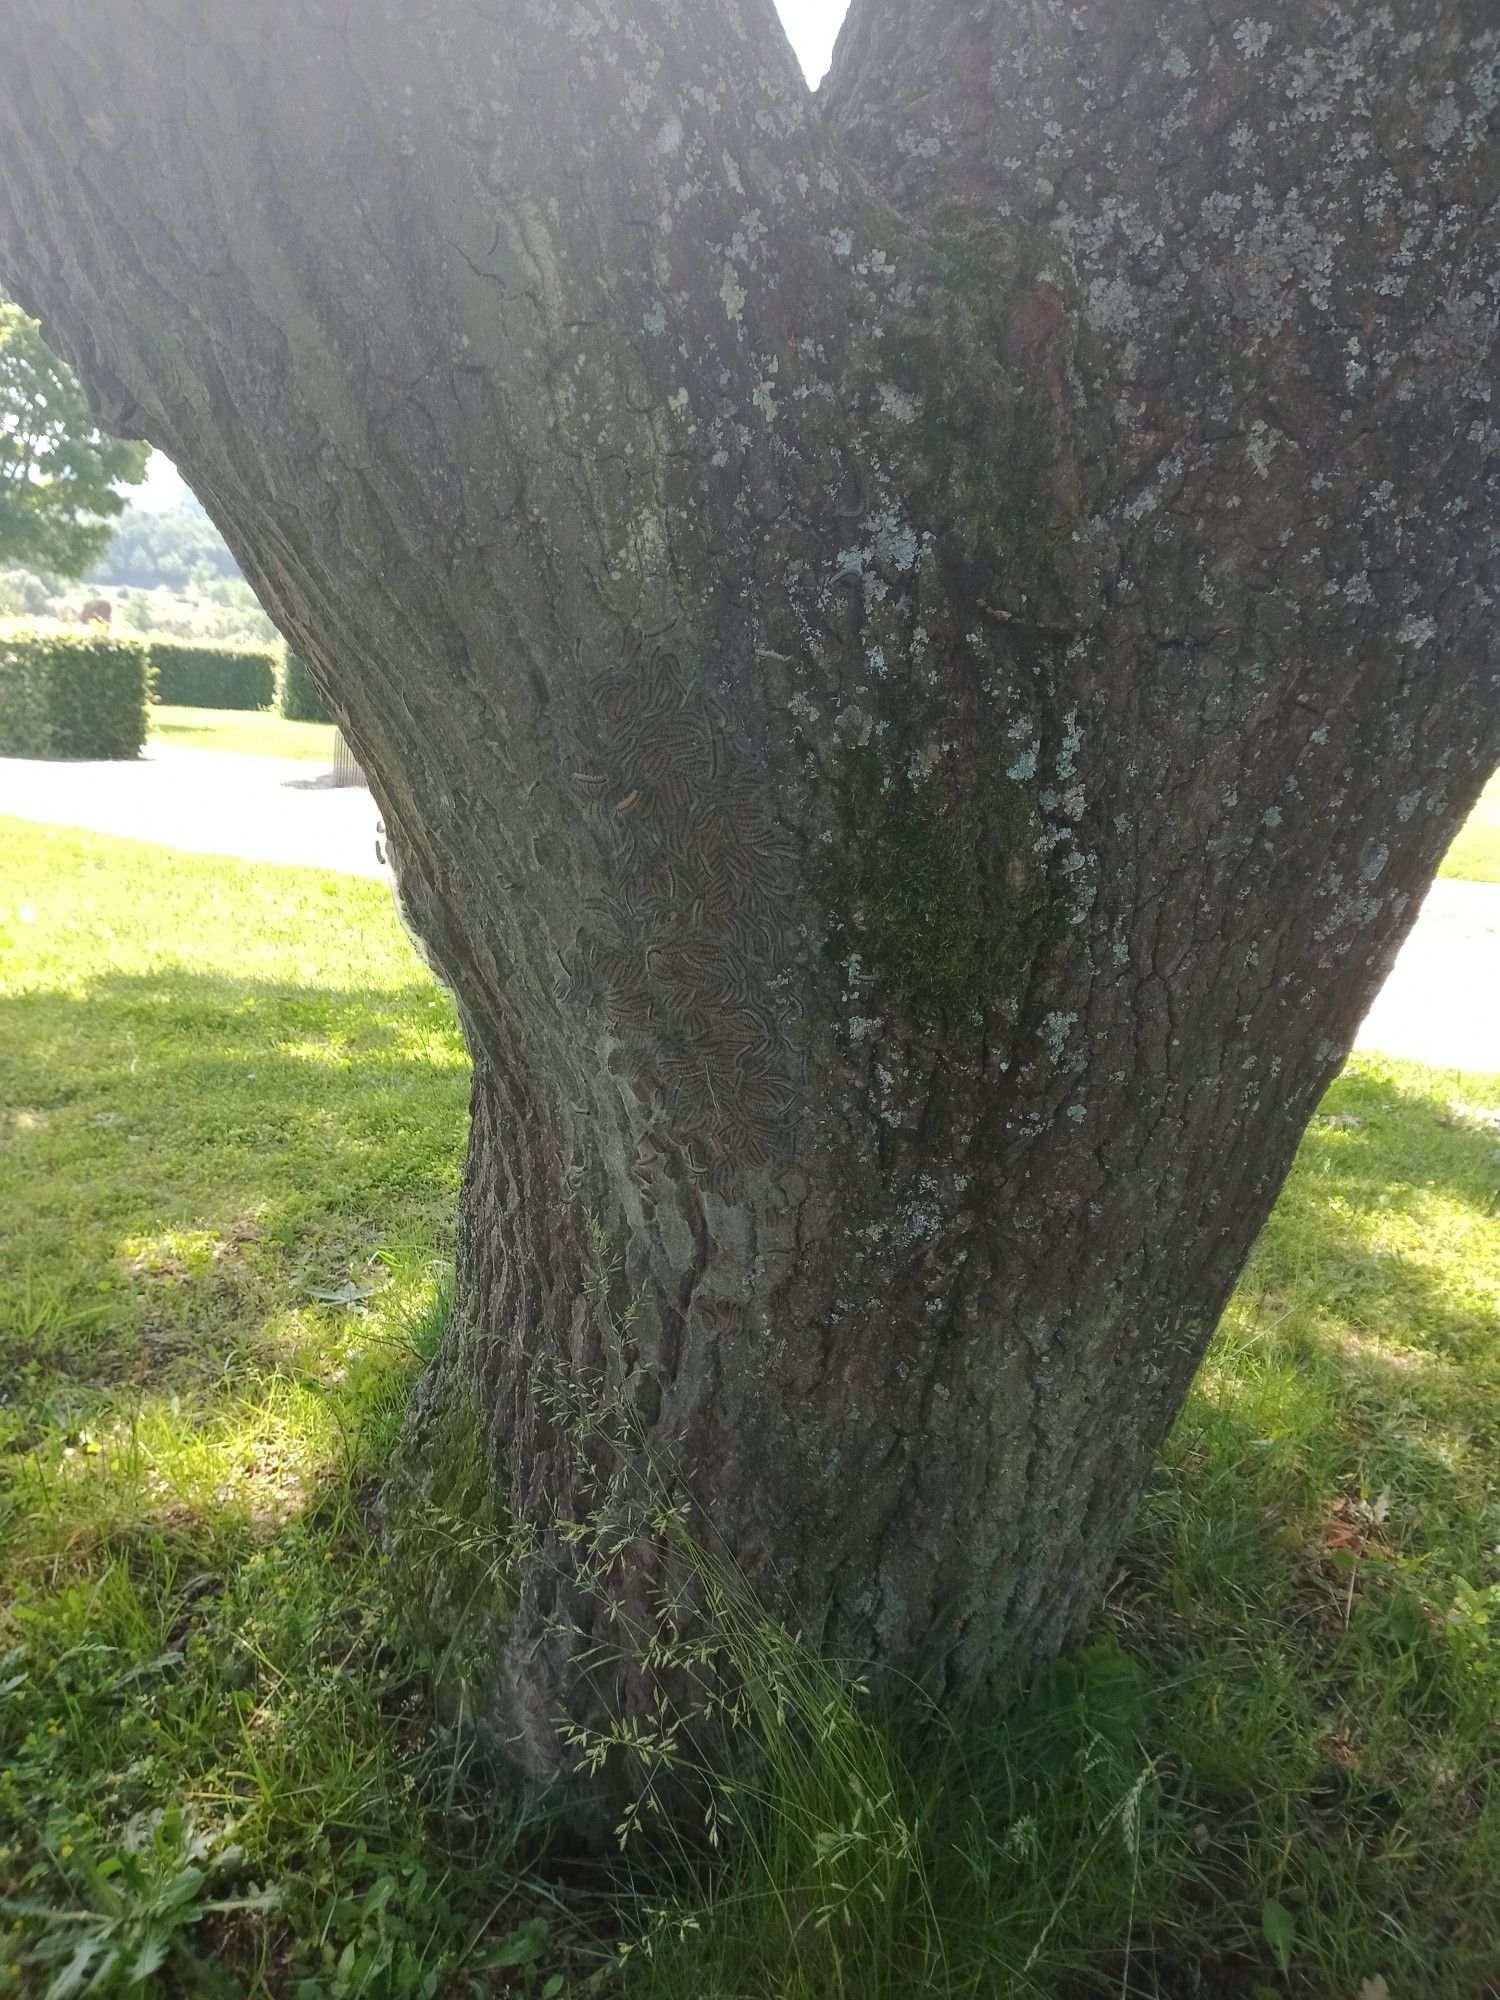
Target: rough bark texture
919	651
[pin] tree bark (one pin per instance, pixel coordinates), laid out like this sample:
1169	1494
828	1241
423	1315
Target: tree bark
918	653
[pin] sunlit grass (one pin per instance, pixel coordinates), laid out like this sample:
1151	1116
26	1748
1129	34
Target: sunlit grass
234	1107
231	1113
260	732
1475	854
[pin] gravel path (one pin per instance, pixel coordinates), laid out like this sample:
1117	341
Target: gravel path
1441	1004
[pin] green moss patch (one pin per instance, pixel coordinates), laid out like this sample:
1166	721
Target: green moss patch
944	896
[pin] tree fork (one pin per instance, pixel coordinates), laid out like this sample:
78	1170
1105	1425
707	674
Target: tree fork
919	652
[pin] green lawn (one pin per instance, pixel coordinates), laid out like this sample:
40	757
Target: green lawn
1475	855
231	1112
261	732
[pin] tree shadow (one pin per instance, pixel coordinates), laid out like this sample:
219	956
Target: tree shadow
1338	1443
1390	1183
187	1160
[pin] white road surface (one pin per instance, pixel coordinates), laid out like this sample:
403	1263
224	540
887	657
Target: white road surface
208	801
1441	1004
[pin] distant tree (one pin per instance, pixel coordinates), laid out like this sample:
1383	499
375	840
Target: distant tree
176	548
24	594
58	473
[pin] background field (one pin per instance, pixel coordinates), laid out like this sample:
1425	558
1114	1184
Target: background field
263	733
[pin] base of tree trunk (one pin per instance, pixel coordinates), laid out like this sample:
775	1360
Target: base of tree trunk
569	1511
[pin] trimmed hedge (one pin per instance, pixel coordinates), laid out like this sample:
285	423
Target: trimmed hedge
301	698
203	675
72	694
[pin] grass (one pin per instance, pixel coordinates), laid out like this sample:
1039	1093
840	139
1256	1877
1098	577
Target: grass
1475	854
231	1111
261	732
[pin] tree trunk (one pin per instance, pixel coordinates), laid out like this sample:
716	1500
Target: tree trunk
918	656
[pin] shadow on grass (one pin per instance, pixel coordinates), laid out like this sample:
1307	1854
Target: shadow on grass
190	1144
226	1204
1294	1589
1363	1345
222	1197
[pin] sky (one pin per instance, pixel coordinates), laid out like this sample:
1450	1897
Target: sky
812	27
163	488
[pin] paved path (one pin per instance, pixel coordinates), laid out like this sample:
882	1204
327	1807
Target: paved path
209	801
1441	1004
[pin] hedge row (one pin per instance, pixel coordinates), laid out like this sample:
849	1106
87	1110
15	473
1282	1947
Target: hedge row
72	694
199	674
301	698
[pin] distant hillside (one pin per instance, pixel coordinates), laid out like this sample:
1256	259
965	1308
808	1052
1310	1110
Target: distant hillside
172	550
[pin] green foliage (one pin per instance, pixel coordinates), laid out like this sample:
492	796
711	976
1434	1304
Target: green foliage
132	1910
226	611
24	594
201	675
58	472
876	1858
301	698
233	1125
72	694
173	548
